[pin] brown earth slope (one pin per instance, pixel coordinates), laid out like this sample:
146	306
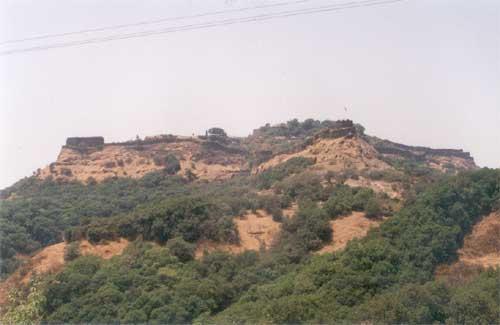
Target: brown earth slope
335	155
347	228
256	231
135	161
481	250
51	260
393	190
338	148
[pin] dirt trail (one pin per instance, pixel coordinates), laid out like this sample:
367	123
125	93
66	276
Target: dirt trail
344	229
51	260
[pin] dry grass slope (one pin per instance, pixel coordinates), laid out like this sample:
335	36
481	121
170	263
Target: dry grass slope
335	155
481	250
51	260
128	161
256	230
346	228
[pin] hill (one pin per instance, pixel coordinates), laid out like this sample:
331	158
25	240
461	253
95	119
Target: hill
311	221
335	146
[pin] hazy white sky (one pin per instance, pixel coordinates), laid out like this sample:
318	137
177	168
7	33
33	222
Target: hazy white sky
420	72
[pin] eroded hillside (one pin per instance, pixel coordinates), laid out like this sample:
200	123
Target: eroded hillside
346	228
279	201
189	156
334	146
334	154
51	260
256	231
481	249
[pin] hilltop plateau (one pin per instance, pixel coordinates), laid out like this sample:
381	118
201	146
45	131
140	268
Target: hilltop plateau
334	146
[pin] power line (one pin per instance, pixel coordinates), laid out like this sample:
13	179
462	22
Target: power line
151	22
262	17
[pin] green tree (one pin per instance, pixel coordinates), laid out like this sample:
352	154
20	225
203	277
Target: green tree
172	164
340	202
25	309
72	251
180	248
373	208
216	132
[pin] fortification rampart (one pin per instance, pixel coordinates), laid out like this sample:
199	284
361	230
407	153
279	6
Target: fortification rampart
388	147
85	142
338	129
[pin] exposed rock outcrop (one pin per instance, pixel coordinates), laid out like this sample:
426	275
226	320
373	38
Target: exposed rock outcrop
335	146
83	160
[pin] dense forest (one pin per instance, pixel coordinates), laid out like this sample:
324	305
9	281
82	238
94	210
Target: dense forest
386	277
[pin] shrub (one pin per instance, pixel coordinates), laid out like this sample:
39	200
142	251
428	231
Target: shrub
307	231
273	204
66	172
91	180
302	186
169	161
373	208
216	132
190	175
99	233
180	248
73	234
72	251
361	198
279	172
341	201
172	164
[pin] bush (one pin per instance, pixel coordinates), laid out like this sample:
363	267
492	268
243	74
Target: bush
180	248
190	175
216	132
273	205
97	233
302	186
170	161
66	172
373	208
279	172
172	164
309	230
361	198
72	251
341	201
